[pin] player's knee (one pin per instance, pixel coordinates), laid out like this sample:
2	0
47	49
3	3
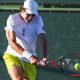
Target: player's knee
18	78
26	79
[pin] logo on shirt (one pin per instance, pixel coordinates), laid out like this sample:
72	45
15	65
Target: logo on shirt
23	32
43	28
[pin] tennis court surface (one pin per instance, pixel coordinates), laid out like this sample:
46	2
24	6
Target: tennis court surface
63	35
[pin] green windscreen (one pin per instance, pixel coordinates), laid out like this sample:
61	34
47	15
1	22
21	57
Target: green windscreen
41	1
60	1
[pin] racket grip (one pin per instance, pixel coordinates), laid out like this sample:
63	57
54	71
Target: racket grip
42	64
47	62
38	63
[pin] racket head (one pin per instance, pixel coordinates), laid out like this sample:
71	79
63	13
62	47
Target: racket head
67	63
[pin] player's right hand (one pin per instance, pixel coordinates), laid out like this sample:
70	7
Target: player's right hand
34	60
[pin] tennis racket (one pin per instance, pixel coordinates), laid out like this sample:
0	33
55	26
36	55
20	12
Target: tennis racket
66	64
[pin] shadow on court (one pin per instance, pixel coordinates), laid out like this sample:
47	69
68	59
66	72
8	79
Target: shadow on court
50	73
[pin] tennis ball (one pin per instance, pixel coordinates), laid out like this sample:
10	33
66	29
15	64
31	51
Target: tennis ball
77	66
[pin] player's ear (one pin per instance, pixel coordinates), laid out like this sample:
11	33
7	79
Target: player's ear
21	8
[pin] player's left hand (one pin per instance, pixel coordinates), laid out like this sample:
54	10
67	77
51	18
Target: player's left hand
43	61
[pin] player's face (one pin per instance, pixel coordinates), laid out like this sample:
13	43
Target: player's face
29	17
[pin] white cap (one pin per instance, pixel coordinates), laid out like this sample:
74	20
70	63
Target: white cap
31	6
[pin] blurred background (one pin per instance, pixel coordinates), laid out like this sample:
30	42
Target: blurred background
62	23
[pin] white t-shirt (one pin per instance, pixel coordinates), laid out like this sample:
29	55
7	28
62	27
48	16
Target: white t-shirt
26	33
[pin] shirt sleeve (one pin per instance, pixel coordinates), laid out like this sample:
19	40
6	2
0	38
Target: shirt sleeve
10	23
40	26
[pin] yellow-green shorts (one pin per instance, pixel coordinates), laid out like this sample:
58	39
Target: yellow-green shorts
30	70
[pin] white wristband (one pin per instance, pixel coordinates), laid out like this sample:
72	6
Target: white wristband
26	54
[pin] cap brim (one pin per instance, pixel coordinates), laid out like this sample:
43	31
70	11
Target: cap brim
31	11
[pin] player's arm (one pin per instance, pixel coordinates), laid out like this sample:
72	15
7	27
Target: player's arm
12	41
43	44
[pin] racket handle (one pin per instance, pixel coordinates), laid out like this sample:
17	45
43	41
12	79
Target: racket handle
38	63
42	63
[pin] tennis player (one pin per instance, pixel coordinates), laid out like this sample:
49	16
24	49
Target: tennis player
22	31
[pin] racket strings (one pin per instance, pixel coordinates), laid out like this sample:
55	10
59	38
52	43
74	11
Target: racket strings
67	64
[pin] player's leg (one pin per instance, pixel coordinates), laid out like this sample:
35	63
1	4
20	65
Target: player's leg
14	66
30	71
15	73
26	79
